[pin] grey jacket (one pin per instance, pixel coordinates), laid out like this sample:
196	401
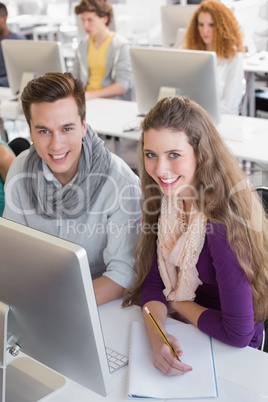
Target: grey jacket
118	65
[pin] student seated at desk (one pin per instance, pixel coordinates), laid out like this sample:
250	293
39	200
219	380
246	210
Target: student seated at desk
214	28
69	185
203	253
6	158
5	33
102	60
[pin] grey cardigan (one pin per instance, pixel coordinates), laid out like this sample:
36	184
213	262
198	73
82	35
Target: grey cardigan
118	65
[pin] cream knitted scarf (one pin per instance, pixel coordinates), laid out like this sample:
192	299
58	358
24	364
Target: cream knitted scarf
178	248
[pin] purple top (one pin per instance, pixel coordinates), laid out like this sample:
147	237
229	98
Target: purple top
225	291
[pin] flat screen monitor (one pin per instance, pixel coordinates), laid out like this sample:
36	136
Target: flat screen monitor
193	73
53	316
29	56
246	13
174	17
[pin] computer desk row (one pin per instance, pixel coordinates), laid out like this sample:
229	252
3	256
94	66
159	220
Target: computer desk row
246	137
241	373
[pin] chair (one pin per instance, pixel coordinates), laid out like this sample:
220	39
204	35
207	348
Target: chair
262	191
18	145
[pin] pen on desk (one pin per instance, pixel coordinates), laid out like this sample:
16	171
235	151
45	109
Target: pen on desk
161	333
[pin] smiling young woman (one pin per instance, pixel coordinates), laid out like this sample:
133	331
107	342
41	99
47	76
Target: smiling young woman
203	252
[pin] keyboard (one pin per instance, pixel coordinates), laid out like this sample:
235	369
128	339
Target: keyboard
115	360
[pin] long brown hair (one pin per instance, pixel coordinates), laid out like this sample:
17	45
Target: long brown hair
227	38
225	198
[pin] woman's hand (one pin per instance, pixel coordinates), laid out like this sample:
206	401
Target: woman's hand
163	358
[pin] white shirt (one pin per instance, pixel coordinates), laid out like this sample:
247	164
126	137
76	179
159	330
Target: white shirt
230	75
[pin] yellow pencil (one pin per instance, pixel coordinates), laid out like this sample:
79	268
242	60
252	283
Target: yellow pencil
161	333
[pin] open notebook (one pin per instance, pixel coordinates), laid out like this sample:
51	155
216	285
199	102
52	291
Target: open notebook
148	382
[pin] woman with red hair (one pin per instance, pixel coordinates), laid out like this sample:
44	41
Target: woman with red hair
214	28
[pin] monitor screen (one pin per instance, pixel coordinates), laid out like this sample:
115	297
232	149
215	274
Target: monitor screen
174	17
29	56
193	73
53	315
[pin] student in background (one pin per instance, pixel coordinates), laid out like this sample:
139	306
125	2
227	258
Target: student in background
102	59
5	33
6	158
214	28
69	185
203	253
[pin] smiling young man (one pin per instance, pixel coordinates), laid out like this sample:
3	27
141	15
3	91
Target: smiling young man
69	185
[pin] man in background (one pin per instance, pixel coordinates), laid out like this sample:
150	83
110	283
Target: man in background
5	33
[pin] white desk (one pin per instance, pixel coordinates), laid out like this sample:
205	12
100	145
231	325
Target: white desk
29	21
246	137
241	373
5	94
256	63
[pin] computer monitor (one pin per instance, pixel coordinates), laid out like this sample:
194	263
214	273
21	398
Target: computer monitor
53	315
193	73
174	17
29	56
246	12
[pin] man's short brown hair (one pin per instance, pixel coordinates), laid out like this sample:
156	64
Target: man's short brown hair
101	7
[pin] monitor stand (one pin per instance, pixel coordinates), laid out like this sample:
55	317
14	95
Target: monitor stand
166	92
23	380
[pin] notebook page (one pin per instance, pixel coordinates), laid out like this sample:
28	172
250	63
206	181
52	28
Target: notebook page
147	381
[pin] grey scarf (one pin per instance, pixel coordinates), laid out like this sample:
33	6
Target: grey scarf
76	197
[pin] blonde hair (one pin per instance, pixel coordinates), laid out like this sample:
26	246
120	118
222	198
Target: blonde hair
227	39
226	198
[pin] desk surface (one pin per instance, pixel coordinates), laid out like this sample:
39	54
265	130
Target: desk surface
246	137
256	63
240	372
